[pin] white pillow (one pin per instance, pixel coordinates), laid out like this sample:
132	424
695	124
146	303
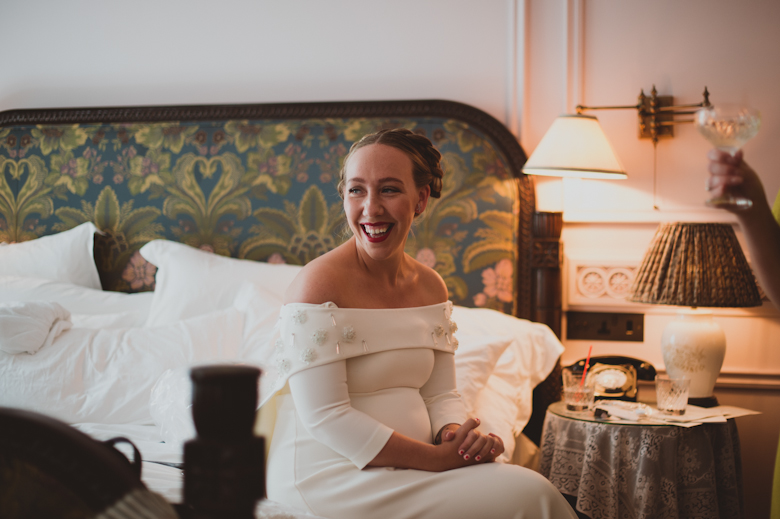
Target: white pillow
475	361
66	257
497	408
106	376
505	399
192	282
535	345
126	310
261	310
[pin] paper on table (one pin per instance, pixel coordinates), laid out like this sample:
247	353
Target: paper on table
716	414
730	411
692	414
630	413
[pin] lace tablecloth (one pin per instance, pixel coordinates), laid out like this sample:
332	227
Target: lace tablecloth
645	471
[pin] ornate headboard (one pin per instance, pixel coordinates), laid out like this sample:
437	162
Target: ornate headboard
259	182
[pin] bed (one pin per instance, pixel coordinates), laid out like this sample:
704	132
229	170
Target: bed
142	241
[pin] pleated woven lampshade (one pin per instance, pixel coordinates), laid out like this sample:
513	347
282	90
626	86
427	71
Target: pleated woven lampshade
695	264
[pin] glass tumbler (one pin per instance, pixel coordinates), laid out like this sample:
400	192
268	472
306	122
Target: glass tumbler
672	394
577	394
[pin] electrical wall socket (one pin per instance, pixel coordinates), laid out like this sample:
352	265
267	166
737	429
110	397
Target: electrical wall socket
605	326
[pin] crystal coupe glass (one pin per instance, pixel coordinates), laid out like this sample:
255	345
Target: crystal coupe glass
728	127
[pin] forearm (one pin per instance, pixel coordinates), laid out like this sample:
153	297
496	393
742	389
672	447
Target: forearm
405	453
732	176
461	446
762	235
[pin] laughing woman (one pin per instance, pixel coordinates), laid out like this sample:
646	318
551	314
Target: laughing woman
366	339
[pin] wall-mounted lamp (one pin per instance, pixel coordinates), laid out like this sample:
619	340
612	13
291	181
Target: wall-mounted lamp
656	114
576	146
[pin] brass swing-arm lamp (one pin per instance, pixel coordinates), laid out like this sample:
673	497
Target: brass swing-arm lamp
656	113
576	146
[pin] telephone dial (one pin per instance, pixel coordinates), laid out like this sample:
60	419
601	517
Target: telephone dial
615	376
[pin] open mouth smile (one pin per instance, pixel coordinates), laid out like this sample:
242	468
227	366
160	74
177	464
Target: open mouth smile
376	232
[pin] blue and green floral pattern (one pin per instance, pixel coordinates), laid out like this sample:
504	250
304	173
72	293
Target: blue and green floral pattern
258	189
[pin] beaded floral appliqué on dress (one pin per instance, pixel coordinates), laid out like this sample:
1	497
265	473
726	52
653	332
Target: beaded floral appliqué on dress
308	356
320	334
348	334
283	365
319	337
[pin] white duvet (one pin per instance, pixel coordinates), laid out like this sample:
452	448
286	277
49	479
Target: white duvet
106	376
28	327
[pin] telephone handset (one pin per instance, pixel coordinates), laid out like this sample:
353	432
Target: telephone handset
614	376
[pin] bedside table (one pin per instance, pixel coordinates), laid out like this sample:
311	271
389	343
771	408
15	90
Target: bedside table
619	470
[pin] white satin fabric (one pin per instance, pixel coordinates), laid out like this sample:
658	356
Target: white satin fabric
333	418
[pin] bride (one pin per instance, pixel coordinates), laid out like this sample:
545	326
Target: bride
367	345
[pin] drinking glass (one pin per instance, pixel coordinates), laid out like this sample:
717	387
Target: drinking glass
577	394
728	127
672	394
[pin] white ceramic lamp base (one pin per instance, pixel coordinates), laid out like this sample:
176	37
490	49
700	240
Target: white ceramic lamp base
694	345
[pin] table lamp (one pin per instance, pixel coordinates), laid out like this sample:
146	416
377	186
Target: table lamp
695	265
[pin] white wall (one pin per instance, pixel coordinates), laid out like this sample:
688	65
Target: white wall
143	52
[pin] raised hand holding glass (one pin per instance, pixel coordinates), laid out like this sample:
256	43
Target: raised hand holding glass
728	127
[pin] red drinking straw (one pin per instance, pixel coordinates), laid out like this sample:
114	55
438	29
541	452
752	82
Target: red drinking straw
587	365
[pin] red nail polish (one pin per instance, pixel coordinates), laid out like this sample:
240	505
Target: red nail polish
466	457
460	452
492	451
478	458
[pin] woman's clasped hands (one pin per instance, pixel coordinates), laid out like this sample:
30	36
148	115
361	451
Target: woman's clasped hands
465	445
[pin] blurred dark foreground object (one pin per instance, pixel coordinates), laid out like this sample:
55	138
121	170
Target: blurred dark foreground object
49	469
224	466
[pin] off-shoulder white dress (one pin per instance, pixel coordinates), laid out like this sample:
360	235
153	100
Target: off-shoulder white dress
353	377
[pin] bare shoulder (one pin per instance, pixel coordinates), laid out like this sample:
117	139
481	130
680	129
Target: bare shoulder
319	281
432	285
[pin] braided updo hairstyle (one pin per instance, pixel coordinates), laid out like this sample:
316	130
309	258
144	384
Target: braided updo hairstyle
426	160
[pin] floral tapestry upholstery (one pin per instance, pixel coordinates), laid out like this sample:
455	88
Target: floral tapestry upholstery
258	189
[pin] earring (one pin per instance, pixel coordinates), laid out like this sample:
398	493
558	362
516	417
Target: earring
418	210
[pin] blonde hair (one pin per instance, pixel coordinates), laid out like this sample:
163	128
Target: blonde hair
426	160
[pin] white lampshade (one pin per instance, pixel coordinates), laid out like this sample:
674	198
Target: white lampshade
575	146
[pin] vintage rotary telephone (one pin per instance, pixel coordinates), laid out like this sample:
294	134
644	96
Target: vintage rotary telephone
614	376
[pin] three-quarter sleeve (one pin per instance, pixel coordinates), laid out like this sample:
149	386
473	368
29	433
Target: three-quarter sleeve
441	395
322	400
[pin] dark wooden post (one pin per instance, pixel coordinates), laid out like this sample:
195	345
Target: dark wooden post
546	307
546	269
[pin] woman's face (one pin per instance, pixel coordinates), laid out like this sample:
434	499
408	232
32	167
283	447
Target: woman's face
380	199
